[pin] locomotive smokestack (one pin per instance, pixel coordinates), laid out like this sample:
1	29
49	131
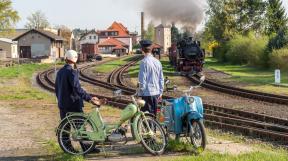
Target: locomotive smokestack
142	25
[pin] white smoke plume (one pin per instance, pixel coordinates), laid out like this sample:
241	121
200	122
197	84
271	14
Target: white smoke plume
188	13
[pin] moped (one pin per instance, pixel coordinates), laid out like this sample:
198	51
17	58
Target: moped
183	117
78	133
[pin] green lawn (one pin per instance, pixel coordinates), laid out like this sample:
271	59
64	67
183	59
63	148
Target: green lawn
255	78
24	70
168	70
110	66
273	155
15	84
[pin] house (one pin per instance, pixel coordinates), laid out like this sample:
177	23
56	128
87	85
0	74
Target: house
112	46
36	43
89	42
119	32
162	37
8	48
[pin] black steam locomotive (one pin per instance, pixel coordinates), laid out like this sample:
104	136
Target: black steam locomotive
187	56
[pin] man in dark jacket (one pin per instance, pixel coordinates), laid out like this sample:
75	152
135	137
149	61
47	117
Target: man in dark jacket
68	90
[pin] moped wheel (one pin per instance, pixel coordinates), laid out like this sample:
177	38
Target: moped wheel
154	141
68	139
197	134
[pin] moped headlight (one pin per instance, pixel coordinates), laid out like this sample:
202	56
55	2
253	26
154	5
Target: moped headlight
190	100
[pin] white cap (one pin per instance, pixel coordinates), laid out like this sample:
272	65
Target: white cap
71	55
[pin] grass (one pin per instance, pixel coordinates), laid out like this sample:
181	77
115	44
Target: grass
16	85
168	70
24	70
255	78
261	152
110	66
277	155
57	154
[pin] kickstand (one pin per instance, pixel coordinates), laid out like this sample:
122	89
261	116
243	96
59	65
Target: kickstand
103	148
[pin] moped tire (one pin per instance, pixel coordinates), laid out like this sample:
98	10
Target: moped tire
65	141
144	141
200	127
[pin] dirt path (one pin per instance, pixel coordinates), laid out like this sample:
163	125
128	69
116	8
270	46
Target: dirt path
25	130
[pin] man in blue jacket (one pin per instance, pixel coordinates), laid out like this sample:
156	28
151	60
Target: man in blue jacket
68	90
151	79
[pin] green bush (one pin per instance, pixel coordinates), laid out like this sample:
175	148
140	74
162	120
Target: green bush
220	52
279	59
246	49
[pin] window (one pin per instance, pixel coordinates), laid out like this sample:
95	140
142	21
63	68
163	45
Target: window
90	37
95	37
116	33
32	37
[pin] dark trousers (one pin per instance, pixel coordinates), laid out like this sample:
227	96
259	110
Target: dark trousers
64	112
150	104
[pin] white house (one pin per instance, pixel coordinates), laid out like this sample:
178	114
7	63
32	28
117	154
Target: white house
88	42
9	47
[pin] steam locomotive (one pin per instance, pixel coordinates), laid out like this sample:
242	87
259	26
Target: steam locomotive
187	56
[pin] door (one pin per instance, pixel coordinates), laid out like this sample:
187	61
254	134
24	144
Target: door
25	51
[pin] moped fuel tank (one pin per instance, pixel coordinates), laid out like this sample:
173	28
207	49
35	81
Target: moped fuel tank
129	111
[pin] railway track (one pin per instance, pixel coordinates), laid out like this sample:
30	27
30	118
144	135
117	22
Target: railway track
110	84
224	118
261	96
251	124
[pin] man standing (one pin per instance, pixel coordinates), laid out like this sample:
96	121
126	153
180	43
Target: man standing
68	90
151	79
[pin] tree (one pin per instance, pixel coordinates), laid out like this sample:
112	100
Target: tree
221	23
37	20
66	33
8	16
276	16
249	15
149	34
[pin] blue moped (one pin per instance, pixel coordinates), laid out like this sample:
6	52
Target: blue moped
183	117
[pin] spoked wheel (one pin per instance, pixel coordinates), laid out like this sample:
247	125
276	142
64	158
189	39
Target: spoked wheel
68	139
154	141
197	134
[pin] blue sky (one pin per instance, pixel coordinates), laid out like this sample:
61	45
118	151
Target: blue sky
88	14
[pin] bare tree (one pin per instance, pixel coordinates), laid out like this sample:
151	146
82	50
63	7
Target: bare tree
37	20
65	32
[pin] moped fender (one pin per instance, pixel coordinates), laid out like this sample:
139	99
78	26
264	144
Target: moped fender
134	128
72	115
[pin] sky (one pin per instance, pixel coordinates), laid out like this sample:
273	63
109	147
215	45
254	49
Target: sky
86	14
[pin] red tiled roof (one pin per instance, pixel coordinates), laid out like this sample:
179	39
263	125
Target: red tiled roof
111	42
122	30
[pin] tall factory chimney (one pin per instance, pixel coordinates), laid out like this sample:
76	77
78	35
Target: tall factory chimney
142	26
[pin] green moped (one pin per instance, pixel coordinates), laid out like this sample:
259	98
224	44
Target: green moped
78	133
